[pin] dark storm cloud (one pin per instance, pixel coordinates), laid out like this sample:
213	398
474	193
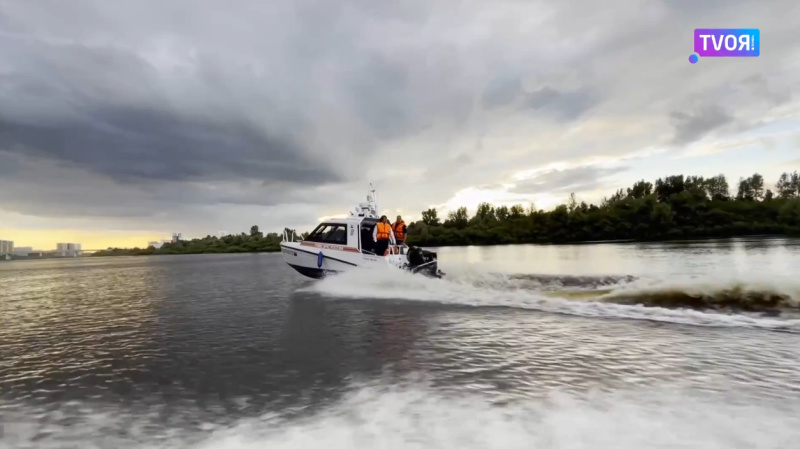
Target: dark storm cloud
693	126
48	188
96	130
571	179
132	145
9	164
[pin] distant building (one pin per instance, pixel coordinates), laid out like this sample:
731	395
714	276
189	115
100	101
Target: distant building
6	247
68	250
156	244
22	250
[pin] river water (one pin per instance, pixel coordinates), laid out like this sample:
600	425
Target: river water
678	345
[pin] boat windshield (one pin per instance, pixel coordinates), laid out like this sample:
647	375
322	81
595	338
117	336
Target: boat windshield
335	233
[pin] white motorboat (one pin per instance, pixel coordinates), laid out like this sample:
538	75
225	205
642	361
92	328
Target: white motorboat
344	244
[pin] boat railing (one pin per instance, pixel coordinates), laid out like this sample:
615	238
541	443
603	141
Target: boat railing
401	249
287	237
396	249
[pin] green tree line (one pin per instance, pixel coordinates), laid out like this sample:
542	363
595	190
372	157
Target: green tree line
254	242
675	207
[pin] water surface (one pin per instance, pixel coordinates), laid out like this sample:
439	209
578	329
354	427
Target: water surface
521	346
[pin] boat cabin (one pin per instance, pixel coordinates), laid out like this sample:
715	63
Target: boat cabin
351	234
354	232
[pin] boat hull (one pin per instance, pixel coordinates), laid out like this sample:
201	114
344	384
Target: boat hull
317	262
313	273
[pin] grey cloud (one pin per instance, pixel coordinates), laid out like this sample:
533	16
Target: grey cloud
378	96
42	188
564	105
573	179
450	167
769	143
760	88
502	92
690	127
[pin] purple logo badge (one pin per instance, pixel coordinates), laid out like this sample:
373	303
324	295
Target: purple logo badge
726	43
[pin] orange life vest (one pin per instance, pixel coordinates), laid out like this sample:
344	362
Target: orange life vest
397	227
383	231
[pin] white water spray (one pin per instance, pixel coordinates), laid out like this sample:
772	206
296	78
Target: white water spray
465	285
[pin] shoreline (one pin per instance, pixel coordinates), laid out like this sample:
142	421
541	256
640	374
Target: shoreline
583	242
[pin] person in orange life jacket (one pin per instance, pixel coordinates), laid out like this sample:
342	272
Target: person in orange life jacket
400	230
382	235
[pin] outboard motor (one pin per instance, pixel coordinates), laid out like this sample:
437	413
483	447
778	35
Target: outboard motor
424	262
415	256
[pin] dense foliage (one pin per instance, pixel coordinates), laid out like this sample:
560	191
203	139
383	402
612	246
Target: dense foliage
253	242
675	207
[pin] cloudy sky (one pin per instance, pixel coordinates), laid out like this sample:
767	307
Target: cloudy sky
122	121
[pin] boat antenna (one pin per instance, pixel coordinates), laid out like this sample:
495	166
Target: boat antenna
374	198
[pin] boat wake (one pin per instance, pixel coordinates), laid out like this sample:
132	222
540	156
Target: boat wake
732	296
720	303
416	416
